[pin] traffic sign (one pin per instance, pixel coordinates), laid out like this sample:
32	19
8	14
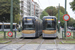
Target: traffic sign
66	17
68	34
58	21
10	34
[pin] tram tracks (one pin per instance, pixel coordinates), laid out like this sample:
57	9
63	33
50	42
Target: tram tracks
38	48
56	44
18	40
25	43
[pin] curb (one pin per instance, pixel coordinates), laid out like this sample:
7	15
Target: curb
66	43
5	42
62	42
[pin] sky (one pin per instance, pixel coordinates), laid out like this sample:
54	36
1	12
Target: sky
45	3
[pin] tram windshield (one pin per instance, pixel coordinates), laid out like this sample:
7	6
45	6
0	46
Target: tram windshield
49	26
28	27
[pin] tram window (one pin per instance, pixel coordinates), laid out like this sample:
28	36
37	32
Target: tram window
8	26
0	26
14	26
28	27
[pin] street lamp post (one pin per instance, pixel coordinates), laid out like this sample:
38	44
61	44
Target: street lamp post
59	18
65	25
11	16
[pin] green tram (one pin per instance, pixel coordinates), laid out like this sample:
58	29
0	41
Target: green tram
49	27
31	26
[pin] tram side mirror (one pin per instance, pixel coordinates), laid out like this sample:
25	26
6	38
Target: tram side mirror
17	25
33	20
19	22
26	19
19	29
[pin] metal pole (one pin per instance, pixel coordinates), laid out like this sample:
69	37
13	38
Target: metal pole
31	9
34	10
4	34
11	17
15	34
59	18
62	34
65	26
4	31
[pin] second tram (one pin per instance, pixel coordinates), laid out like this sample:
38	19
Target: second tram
6	26
49	27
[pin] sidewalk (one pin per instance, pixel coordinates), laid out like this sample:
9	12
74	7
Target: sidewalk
43	47
59	35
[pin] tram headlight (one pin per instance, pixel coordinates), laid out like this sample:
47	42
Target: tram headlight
55	31
42	30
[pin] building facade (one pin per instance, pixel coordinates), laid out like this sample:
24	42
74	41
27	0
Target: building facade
23	8
29	8
37	9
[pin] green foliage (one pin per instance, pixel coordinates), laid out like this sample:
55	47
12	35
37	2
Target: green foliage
74	24
51	11
44	13
71	22
72	5
62	9
61	18
5	9
17	18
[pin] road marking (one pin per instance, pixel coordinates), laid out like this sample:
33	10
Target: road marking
23	45
38	48
56	45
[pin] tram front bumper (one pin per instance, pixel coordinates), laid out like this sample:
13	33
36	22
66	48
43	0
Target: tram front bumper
28	35
49	35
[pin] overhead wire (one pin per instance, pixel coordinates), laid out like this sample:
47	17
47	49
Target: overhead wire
49	2
40	3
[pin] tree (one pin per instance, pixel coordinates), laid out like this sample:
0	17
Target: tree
17	18
61	18
74	24
72	5
51	11
71	22
44	13
5	10
62	9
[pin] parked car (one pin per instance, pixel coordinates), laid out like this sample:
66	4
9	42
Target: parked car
71	28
